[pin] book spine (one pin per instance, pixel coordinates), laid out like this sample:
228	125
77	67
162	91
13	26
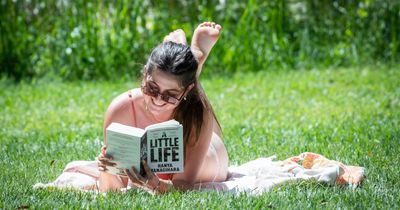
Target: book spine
143	153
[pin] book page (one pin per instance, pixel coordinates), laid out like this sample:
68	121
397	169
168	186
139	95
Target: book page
124	148
169	123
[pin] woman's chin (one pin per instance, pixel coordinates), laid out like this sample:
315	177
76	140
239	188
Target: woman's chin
156	109
155	112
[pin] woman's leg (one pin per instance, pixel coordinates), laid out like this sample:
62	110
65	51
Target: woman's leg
177	36
215	166
204	38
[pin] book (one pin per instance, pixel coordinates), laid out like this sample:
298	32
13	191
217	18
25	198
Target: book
160	145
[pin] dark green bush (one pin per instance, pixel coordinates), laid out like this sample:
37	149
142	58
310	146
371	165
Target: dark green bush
111	39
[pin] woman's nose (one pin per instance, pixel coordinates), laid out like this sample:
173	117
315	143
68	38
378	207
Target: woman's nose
158	99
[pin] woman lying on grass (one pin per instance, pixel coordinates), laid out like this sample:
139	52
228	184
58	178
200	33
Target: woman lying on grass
171	90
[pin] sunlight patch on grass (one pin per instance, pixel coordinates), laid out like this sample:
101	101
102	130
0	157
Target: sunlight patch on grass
350	115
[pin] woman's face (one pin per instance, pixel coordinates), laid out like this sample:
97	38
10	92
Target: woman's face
162	92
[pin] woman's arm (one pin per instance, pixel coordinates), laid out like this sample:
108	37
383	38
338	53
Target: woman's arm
195	156
118	111
194	160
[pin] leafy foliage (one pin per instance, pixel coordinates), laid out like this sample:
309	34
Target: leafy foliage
111	39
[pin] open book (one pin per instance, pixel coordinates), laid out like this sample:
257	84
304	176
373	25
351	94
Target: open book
160	145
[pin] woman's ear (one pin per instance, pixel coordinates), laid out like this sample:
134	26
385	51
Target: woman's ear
190	87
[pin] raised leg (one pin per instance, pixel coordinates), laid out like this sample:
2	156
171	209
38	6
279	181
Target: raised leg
177	36
204	38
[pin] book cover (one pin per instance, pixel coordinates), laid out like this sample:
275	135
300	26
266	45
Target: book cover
161	145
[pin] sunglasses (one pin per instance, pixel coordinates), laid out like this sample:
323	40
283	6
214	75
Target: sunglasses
151	88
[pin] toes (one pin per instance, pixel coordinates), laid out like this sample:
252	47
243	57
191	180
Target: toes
211	25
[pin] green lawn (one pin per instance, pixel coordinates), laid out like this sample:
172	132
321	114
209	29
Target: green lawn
350	115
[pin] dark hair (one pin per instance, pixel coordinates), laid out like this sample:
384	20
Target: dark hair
179	61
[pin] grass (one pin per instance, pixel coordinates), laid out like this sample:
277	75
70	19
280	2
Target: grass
351	115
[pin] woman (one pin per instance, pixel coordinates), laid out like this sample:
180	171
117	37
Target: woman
170	90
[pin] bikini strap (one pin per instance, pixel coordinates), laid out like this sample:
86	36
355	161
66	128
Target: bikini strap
130	94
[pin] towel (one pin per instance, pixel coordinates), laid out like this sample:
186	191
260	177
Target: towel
254	177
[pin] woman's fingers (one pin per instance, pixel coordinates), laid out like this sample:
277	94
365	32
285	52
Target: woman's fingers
134	177
101	155
130	176
149	183
101	166
146	167
140	177
108	156
153	180
103	149
106	162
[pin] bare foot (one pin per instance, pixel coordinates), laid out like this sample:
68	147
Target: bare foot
204	38
177	36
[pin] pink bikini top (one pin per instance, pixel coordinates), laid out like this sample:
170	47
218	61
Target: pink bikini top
161	176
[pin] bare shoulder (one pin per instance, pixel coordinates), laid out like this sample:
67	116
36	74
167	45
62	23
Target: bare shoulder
208	118
124	100
120	109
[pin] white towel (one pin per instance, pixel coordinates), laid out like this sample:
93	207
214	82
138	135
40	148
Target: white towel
254	177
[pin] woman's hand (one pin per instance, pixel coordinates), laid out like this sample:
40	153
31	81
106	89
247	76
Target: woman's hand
104	160
150	182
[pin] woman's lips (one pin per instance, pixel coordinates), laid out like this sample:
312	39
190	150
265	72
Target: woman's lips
155	105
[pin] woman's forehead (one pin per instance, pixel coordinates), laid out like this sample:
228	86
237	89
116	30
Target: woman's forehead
164	80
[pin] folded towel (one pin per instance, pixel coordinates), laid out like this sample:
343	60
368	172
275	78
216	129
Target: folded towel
254	177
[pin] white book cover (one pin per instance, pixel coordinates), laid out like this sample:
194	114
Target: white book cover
161	145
